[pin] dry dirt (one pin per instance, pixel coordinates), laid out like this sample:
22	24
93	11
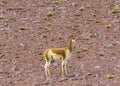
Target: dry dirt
28	27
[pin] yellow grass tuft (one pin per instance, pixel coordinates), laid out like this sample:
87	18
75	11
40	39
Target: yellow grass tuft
84	49
92	34
116	9
1	4
22	28
81	8
1	17
49	24
50	14
108	26
60	37
44	35
110	76
55	1
97	21
6	20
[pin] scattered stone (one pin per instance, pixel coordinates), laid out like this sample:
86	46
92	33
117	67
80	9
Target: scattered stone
74	74
78	51
6	28
45	83
66	0
55	64
1	55
109	45
101	54
87	74
88	84
11	83
70	75
94	14
118	66
76	14
48	28
97	67
74	4
40	53
79	56
22	45
62	79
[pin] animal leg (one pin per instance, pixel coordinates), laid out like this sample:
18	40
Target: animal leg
47	72
63	67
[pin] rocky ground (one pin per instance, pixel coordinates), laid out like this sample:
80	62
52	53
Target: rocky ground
28	27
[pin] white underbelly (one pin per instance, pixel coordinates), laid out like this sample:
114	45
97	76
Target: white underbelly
56	57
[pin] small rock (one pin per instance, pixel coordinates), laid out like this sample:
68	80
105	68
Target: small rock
88	84
74	4
71	75
69	66
117	42
87	74
39	53
100	54
118	65
74	74
45	83
50	8
62	79
1	55
48	28
97	67
55	64
66	0
11	83
22	45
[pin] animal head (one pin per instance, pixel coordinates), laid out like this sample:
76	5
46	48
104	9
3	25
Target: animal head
73	38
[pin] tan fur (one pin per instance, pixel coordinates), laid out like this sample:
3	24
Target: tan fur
58	53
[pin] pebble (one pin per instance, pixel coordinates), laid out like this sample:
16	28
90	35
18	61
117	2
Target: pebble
97	67
22	45
74	4
62	79
1	55
74	74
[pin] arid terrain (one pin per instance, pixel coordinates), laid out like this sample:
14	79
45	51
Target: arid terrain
28	27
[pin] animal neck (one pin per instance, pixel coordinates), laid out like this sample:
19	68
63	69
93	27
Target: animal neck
70	46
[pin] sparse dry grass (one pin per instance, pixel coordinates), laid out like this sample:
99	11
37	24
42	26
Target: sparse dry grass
49	14
22	28
110	76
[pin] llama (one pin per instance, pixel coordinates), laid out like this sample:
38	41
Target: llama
58	54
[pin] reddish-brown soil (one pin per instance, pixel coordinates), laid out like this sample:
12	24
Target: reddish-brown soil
26	30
